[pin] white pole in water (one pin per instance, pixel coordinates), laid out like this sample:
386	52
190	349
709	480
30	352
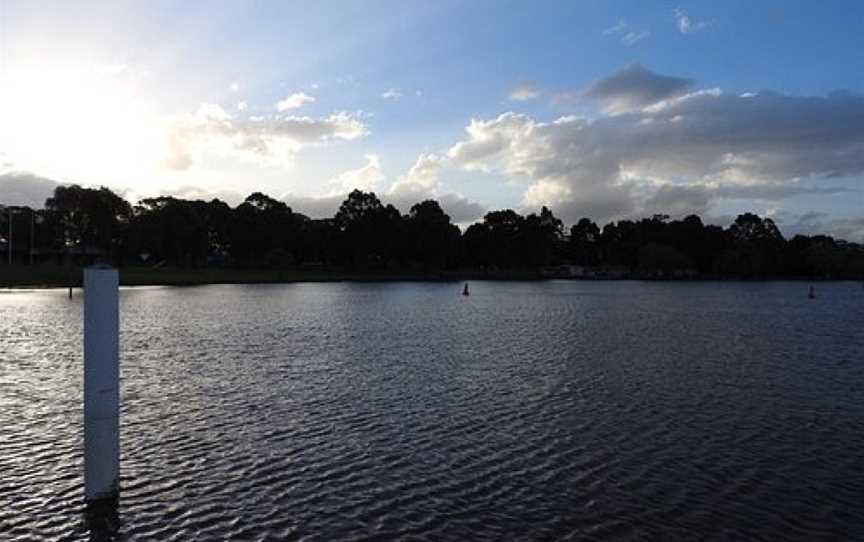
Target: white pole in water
101	384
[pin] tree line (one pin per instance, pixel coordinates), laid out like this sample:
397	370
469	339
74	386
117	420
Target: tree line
79	224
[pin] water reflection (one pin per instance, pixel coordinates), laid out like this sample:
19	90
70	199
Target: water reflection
527	411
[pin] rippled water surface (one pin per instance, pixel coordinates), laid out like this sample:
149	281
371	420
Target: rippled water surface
527	411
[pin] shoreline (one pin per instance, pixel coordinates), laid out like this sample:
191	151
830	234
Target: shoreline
52	277
44	277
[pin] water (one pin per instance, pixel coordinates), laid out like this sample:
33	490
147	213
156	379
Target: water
527	411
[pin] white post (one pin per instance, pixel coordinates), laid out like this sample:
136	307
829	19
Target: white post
101	384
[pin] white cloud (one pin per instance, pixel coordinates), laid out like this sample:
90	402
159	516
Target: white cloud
395	93
272	139
617	29
546	192
686	25
235	87
421	179
315	206
686	152
422	183
523	93
192	192
242	106
392	94
632	38
628	35
214	112
367	177
460	209
294	101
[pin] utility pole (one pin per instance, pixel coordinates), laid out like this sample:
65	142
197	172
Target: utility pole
9	241
32	233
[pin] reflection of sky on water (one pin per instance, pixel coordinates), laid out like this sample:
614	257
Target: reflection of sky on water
342	410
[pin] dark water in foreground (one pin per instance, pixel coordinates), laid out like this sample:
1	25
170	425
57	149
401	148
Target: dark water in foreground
528	411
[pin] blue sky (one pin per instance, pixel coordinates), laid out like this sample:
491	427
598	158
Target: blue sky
112	93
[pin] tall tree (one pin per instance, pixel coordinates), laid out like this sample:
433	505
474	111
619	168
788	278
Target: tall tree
262	229
90	218
434	241
371	232
585	242
756	247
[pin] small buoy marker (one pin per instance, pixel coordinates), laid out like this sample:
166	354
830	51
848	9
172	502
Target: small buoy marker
812	293
465	290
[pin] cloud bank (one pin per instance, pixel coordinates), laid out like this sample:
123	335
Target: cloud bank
272	139
365	178
653	143
660	147
420	183
23	188
633	88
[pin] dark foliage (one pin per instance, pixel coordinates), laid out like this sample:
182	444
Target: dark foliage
80	223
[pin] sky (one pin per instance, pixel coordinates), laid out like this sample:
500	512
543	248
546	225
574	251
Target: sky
605	109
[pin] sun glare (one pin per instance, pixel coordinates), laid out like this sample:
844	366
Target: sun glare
75	124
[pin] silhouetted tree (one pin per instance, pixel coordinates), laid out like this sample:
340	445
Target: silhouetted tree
504	230
365	233
662	260
584	244
89	218
263	230
168	229
755	247
370	230
476	246
538	239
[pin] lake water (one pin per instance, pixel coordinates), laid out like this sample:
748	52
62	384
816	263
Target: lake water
527	411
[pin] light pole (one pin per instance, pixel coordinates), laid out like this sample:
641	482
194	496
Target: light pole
9	241
33	221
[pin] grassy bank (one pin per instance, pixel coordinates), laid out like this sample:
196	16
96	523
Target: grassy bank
22	276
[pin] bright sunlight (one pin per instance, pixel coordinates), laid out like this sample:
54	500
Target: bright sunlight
78	123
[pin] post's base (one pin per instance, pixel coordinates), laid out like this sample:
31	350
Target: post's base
102	517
